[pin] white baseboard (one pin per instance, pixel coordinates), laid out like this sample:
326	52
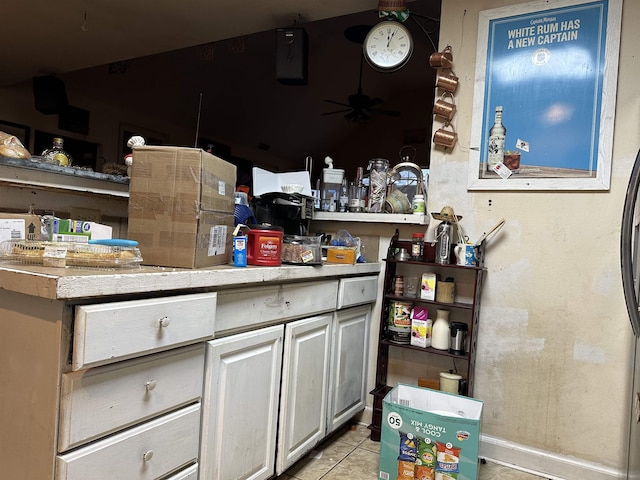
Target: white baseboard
545	464
365	416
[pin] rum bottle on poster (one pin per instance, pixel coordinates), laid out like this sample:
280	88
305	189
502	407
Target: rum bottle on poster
497	138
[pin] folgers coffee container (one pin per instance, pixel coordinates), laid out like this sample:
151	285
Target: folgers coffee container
399	328
265	245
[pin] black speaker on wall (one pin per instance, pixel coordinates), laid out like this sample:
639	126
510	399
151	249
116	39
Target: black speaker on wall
49	94
291	56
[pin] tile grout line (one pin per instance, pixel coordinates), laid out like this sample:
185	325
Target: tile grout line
339	462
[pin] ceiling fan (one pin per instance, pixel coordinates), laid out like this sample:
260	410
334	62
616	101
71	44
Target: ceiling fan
360	107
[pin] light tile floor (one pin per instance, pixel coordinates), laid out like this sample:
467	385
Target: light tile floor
352	455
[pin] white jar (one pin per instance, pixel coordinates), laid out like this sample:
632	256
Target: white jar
440	332
417	205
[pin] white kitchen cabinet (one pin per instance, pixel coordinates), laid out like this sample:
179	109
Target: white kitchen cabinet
240	412
136	419
323	381
348	377
304	392
128	374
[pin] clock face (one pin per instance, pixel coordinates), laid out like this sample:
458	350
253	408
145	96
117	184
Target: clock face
388	46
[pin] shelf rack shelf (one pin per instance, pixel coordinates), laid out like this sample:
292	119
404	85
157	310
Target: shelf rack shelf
470	309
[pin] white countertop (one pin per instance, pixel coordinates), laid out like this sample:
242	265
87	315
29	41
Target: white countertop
77	283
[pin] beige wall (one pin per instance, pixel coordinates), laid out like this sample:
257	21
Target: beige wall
555	343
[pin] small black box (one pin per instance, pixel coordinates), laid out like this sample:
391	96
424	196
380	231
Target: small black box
291	55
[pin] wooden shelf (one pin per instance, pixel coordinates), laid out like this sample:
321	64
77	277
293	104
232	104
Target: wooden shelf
432	350
470	311
465	306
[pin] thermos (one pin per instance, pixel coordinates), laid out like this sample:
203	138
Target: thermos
458	337
444	240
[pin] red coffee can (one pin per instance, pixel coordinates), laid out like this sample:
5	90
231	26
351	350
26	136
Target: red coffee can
264	245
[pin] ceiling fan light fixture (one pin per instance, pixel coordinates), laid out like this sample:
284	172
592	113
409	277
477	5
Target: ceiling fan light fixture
392	5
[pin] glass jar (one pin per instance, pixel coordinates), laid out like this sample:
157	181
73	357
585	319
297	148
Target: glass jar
378	168
417	246
56	154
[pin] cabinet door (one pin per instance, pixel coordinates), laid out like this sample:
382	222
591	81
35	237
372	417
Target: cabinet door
240	405
305	380
348	380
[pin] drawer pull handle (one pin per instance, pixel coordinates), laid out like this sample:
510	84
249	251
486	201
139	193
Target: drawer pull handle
148	455
164	322
150	385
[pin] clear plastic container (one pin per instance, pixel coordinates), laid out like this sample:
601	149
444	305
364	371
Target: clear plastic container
69	254
301	250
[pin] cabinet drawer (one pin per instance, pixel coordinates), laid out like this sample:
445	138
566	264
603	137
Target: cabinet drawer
106	399
242	309
358	290
189	473
151	450
108	332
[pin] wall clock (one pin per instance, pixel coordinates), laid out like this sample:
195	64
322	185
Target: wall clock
388	46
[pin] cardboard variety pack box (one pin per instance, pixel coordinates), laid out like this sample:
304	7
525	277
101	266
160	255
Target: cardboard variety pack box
19	226
181	205
69	230
429	434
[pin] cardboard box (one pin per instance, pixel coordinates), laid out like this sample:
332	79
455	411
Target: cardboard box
341	255
69	230
181	204
428	286
429	432
18	226
432	383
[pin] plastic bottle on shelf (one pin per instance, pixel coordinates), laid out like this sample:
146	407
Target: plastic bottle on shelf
417	205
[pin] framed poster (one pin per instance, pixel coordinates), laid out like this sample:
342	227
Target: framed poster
549	70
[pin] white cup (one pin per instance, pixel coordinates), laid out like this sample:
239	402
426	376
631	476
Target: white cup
465	254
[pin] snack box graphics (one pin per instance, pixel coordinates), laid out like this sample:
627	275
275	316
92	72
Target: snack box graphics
429	433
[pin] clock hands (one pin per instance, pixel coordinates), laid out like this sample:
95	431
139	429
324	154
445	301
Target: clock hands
389	38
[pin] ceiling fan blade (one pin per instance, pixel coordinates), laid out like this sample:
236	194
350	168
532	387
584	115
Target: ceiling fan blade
336	111
338	103
375	101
